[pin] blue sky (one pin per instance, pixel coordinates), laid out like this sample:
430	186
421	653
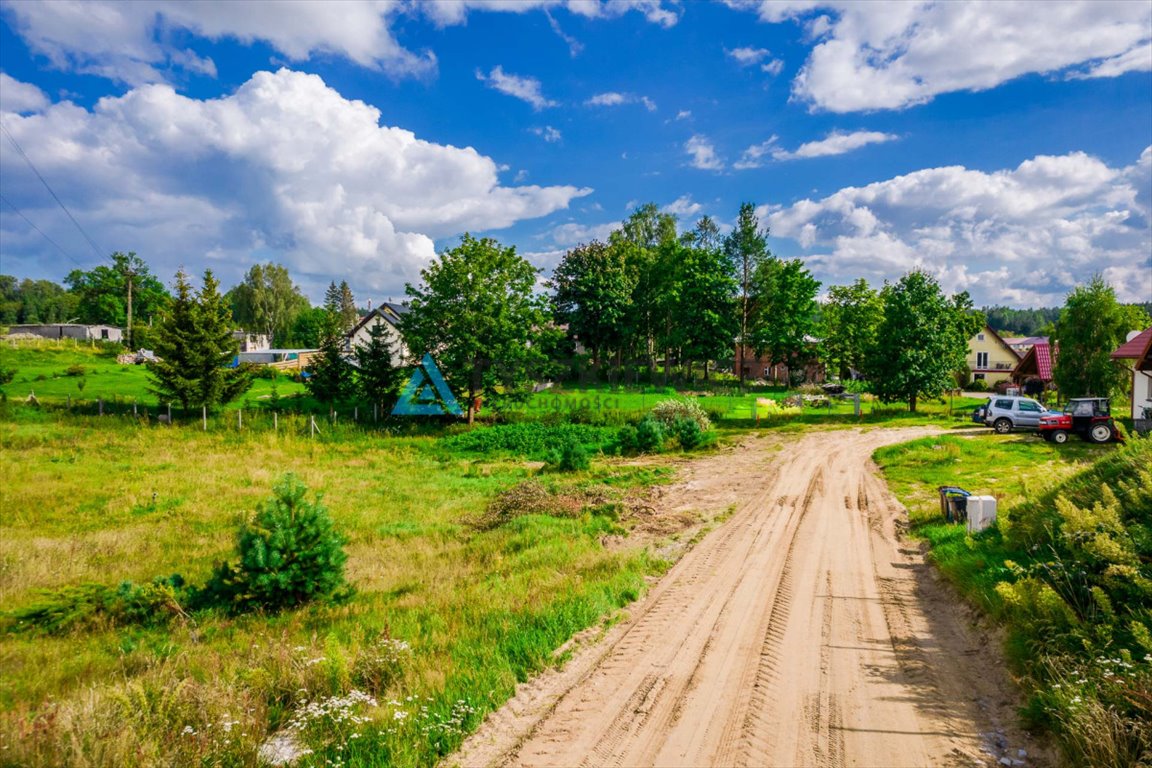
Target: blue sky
1004	149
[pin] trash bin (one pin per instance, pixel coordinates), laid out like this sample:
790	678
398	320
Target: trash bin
953	503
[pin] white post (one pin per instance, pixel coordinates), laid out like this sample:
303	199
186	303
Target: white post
204	416
169	414
275	421
240	418
356	413
100	401
134	408
312	425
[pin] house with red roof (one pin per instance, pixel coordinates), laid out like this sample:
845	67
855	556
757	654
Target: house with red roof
1137	353
1036	366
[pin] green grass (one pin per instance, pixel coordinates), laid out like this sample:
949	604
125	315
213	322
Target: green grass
107	500
1065	570
42	368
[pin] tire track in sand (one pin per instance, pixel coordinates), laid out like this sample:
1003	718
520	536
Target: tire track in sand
792	635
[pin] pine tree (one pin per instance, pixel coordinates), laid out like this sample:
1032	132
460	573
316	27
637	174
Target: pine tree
332	298
348	313
195	346
378	379
329	374
171	373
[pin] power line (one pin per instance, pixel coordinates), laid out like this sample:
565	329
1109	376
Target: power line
95	249
42	234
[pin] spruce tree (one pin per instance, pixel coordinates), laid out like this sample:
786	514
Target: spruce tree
378	379
171	373
329	374
195	346
332	298
348	313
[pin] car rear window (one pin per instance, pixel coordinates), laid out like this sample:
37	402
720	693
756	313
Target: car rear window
1005	404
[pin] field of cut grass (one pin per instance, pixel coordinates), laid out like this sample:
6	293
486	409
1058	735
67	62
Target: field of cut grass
61	371
447	616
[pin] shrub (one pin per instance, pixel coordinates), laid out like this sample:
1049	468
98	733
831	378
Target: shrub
93	606
978	385
627	440
668	412
74	370
650	435
570	457
688	432
290	554
526	438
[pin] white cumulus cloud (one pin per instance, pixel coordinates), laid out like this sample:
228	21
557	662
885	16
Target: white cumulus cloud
1023	236
703	154
16	96
895	54
524	88
285	168
835	143
683	206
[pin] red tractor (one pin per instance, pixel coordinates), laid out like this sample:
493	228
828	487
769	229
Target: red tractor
1088	417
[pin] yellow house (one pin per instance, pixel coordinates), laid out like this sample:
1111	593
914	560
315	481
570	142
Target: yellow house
990	358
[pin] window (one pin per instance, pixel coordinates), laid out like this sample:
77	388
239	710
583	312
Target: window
1004	404
981	359
1030	406
978	377
979	337
767	372
103	333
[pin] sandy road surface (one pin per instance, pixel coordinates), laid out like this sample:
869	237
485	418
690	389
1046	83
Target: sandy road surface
801	632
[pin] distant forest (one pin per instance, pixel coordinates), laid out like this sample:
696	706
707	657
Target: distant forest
1030	322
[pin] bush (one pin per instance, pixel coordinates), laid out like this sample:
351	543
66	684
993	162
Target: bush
978	385
290	554
688	432
570	457
526	438
650	435
668	412
627	440
98	606
75	370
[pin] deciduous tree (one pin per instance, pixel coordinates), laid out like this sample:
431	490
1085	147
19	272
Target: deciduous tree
851	318
785	312
1091	326
477	312
922	340
267	302
102	292
592	292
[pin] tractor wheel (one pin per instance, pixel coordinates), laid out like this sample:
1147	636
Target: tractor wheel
1059	436
1002	426
1100	433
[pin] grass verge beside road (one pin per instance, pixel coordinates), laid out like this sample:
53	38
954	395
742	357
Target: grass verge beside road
1067	571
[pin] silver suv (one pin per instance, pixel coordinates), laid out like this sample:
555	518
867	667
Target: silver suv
1005	414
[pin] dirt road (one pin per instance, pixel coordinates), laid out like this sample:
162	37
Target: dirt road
801	632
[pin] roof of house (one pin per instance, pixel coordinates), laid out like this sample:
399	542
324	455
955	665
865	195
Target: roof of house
1135	348
1025	341
1038	358
388	311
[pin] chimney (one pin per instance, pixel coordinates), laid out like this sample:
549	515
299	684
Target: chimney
369	306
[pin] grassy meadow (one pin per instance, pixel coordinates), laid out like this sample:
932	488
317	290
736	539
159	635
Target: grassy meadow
453	604
446	618
1067	572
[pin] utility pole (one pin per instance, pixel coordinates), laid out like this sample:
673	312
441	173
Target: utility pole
130	273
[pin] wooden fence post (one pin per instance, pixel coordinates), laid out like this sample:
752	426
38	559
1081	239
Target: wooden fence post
239	418
100	402
204	416
275	421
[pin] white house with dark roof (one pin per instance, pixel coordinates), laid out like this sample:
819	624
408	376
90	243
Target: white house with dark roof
388	315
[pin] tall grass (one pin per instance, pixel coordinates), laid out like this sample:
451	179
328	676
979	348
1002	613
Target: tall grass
1066	570
103	500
